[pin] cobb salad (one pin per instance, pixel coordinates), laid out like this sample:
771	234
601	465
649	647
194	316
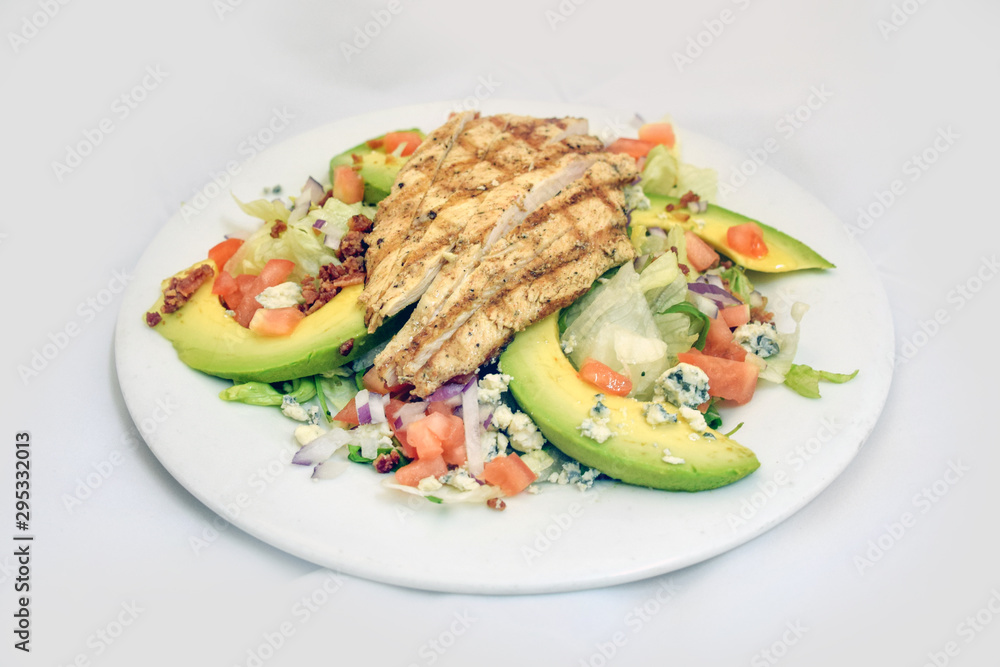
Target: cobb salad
647	358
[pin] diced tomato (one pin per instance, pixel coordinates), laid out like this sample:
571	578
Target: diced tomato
510	473
244	312
719	341
747	239
275	272
658	133
451	430
347	185
373	382
700	254
733	380
634	147
440	407
276	321
224	284
221	252
420	436
393	140
735	316
348	414
603	377
413	472
245	281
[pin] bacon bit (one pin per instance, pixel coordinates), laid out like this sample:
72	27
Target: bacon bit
359	223
153	318
726	264
496	504
324	198
683	217
352	245
355	158
346	347
684	268
279	226
179	290
688	197
386	462
375	143
670	207
674	250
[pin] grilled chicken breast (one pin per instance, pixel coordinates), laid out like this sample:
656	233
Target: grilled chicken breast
521	216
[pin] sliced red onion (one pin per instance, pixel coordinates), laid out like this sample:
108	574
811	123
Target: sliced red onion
364	410
703	304
446	391
376	405
473	443
488	420
657	231
313	191
720	296
334	235
410	413
330	469
711	279
322	447
319	224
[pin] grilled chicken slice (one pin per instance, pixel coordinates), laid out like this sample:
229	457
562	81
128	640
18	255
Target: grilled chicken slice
488	153
544	264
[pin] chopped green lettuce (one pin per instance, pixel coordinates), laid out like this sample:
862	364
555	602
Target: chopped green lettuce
805	380
664	174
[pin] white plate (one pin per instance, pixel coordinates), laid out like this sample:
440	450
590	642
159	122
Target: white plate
234	457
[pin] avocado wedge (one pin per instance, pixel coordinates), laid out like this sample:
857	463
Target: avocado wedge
548	388
208	340
784	252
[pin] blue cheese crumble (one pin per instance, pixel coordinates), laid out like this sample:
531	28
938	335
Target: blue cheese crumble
573	473
759	338
595	429
491	386
306	433
682	385
460	479
524	435
284	295
635	198
370	437
494	444
695	419
293	410
568	344
671	459
657	413
428	484
600	411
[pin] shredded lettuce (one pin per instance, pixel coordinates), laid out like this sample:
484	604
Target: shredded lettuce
779	364
298	242
695	326
739	284
665	174
262	393
805	380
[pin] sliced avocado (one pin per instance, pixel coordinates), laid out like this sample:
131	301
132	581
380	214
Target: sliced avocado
208	340
377	169
784	252
548	388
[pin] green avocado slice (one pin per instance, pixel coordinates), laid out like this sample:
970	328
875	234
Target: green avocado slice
208	340
785	253
548	388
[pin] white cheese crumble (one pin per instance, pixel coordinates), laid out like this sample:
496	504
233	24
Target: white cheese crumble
494	444
524	435
682	385
595	429
694	418
574	473
429	484
538	461
635	198
307	433
460	479
491	386
759	338
569	344
293	410
370	437
600	411
669	458
284	295
657	413
502	416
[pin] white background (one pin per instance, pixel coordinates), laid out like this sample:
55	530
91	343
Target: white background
888	93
